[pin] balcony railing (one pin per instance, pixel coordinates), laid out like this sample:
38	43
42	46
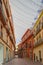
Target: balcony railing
7	7
1	34
4	16
11	37
42	24
40	41
8	11
38	30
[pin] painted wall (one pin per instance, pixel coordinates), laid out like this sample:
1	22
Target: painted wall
1	53
36	51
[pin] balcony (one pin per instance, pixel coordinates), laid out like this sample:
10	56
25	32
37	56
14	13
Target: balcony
34	35
38	30
7	6
0	33
42	25
3	14
11	35
12	39
40	41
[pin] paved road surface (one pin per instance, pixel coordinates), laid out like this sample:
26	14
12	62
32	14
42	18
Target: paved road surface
20	61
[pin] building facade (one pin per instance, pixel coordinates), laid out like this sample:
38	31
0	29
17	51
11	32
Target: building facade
26	46
20	50
7	37
38	39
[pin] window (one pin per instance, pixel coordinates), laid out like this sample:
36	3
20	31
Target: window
3	13
34	56
1	32
37	39
26	45
0	1
39	36
42	21
30	45
1	35
40	56
42	18
0	28
42	34
36	28
39	23
42	24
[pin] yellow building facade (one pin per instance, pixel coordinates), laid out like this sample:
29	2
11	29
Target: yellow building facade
7	36
38	39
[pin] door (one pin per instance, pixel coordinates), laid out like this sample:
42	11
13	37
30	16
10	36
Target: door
1	53
40	56
7	56
34	57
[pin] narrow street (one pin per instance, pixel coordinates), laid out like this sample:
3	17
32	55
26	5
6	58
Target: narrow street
21	61
21	32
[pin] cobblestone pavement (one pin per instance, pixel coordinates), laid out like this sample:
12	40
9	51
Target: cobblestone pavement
20	61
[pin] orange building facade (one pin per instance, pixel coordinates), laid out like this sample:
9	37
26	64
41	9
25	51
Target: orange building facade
20	50
27	44
7	36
